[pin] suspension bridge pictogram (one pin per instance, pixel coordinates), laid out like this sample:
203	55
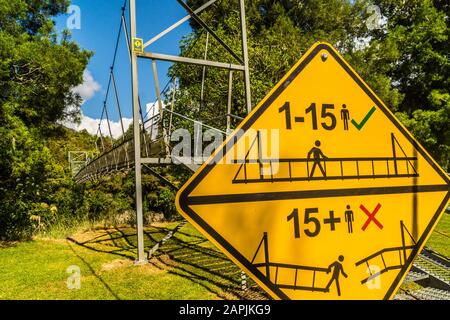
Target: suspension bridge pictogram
402	252
328	174
304	169
332	273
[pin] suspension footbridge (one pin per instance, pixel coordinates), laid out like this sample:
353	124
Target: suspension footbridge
150	144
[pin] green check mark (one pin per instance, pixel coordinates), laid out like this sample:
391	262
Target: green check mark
360	125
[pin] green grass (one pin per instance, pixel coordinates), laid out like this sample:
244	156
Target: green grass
440	239
187	267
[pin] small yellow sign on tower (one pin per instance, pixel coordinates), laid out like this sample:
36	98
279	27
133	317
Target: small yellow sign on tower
138	45
320	193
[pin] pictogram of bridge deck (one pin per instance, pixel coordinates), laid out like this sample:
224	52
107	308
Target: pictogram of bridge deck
400	250
302	169
300	271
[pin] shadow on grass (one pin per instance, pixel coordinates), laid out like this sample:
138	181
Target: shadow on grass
207	268
184	255
8	244
103	282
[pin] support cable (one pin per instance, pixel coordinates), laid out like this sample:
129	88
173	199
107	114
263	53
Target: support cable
108	122
118	103
202	93
111	73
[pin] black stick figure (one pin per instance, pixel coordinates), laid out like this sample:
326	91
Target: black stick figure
349	218
345	116
337	270
318	157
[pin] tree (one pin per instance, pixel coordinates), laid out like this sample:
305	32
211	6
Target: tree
37	74
409	62
406	61
278	31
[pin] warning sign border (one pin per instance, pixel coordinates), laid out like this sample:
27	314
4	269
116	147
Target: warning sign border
182	201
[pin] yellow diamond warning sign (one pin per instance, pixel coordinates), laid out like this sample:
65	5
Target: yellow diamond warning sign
320	193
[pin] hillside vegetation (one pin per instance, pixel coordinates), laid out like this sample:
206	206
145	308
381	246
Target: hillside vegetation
404	59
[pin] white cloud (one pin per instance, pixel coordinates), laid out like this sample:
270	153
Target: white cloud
91	125
88	88
152	109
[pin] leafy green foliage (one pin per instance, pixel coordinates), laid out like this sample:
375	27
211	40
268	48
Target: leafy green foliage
37	74
278	33
408	64
406	60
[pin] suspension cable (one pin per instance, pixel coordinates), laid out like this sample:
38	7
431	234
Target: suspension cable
116	49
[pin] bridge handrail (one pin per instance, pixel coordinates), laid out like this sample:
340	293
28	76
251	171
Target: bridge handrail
303	160
101	155
376	254
194	121
290	266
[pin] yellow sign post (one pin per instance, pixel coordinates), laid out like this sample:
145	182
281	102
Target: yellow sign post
320	193
138	45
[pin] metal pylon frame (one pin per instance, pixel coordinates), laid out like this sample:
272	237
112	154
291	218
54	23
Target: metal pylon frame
242	66
77	159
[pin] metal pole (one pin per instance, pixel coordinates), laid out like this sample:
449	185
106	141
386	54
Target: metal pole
143	127
152	126
230	96
137	140
198	142
160	105
127	40
209	30
172	105
158	93
202	94
179	23
199	62
248	94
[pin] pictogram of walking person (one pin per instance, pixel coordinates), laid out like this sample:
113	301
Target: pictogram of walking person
349	218
337	268
345	116
318	157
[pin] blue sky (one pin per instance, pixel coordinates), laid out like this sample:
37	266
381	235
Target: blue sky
100	21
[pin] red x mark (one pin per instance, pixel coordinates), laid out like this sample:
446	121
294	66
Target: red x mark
371	217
